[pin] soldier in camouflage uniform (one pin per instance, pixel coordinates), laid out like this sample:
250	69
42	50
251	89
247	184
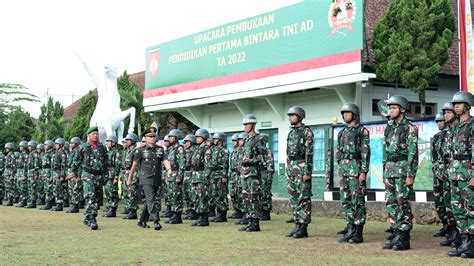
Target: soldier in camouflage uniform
21	175
462	174
65	183
299	169
438	169
212	205
268	168
253	151
113	172
46	175
40	196
9	174
91	160
400	161
234	179
175	161
164	189
75	184
190	213
58	173
130	193
33	166
200	165
2	169
353	157
220	168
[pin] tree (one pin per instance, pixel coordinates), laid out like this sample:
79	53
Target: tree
411	43
15	126
81	121
50	122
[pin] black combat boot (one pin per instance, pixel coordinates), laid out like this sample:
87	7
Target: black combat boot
392	235
93	223
344	230
48	205
125	211
167	213
302	232
244	220
469	253
462	248
292	232
192	215
74	209
40	201
255	226
265	216
452	235
221	217
58	208
15	200
176	218
86	220
358	236
171	218
21	204
66	203
403	242
31	205
158	226
81	204
443	231
247	222
204	220
390	244
350	233
132	215
9	202
142	224
199	218
112	213
238	214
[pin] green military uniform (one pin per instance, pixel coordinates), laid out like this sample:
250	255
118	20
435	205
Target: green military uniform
75	184
129	193
268	168
220	168
40	195
187	185
235	187
9	175
113	172
58	174
21	177
47	177
2	169
176	155
33	168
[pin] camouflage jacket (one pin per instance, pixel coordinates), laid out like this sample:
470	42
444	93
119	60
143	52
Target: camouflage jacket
189	156
268	163
2	164
46	160
253	149
400	152
89	161
113	162
436	146
219	162
59	163
201	163
21	164
34	163
70	159
176	156
299	149
9	164
353	150
462	151
235	162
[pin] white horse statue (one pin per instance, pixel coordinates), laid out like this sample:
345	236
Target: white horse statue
107	115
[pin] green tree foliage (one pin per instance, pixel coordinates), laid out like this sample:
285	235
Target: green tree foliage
13	93
15	125
411	43
50	122
80	123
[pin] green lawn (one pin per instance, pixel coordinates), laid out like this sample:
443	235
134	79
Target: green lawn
44	237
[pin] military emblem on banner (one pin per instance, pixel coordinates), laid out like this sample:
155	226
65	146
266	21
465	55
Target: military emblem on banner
153	62
341	15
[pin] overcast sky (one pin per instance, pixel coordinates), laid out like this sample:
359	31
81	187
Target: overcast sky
39	37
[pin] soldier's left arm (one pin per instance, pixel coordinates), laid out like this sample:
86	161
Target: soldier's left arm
117	163
412	151
365	151
308	145
181	160
63	164
271	161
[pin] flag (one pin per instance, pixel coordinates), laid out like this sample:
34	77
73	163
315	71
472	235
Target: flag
466	53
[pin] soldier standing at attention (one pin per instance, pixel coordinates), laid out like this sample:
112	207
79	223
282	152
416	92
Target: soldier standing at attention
40	181
462	174
190	213
149	160
353	157
299	154
2	169
113	171
175	161
438	169
75	184
239	156
58	173
91	161
400	160
235	195
9	174
268	168
130	192
33	166
220	164
164	189
253	151
21	175
47	177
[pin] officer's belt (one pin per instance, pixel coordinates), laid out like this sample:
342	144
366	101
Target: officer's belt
197	168
352	156
397	158
462	157
296	157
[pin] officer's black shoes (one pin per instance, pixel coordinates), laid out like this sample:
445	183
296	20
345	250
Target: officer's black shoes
204	220
292	232
132	215
111	213
265	216
451	237
125	211
443	231
143	224
358	236
343	231
158	226
389	230
290	220
221	217
74	209
176	218
21	204
458	251
66	204
58	208
254	225
31	205
350	233
302	232
47	206
390	244
403	242
93	223
469	253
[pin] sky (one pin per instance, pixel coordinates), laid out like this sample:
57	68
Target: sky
39	37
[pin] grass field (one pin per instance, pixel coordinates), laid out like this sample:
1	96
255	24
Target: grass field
43	237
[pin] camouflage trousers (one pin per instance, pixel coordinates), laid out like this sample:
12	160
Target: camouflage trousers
40	190
300	192
58	188
8	183
200	196
2	190
112	193
99	189
442	198
267	180
75	191
219	194
32	188
353	193
187	187
398	206
22	187
66	194
166	192
49	186
133	191
462	202
235	191
125	196
176	196
252	196
90	188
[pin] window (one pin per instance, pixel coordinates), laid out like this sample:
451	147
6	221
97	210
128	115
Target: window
319	149
414	111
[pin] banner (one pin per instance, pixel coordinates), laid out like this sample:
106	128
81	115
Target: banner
466	67
424	177
308	35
